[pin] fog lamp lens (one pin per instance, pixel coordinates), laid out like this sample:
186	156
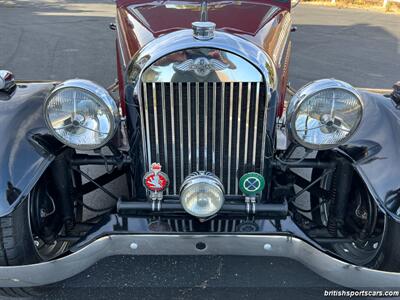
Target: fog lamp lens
202	194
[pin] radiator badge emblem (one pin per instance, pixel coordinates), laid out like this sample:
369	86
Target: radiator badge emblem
201	66
251	183
155	180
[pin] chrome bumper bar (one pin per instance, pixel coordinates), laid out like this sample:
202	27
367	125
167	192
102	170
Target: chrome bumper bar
248	245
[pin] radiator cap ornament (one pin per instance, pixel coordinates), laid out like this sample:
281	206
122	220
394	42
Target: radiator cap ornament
251	184
203	30
155	180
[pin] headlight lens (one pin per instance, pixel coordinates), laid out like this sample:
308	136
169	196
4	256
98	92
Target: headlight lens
324	114
202	195
81	114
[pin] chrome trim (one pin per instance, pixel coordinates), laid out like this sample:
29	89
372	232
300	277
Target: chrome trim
222	132
164	114
214	120
144	136
171	89
146	112
238	136
256	124
204	11
203	30
197	126
99	94
183	224
153	86
240	140
181	129
202	176
176	224
247	124
200	66
230	137
264	129
205	87
284	246
308	91
182	40
209	179
7	80
203	65
190	224
189	110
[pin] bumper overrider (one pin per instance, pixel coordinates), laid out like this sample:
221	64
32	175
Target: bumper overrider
157	244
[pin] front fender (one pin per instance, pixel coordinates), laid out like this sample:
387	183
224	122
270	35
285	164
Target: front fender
375	151
23	159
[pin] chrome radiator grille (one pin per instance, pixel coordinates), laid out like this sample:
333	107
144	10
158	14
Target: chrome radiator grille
215	126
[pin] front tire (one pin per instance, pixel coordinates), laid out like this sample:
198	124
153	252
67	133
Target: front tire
17	247
29	234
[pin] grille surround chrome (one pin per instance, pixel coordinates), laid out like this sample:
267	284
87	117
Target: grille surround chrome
183	39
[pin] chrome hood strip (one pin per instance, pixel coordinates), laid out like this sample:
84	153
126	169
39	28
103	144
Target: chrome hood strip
249	245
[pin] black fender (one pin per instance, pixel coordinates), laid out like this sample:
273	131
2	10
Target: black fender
24	157
375	151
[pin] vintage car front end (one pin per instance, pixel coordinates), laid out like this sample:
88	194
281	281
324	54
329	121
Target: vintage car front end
217	159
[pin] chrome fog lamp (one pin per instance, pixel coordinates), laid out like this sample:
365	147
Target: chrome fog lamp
81	114
202	194
324	114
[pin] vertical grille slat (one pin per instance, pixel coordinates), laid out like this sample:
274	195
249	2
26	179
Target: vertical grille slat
205	99
264	139
194	126
181	130
153	85
221	145
238	134
189	116
230	137
214	128
147	129
247	124
255	123
171	95
164	125
197	126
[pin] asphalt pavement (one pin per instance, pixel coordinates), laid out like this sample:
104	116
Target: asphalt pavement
57	40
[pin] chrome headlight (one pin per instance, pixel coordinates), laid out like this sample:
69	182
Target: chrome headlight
202	194
81	114
324	114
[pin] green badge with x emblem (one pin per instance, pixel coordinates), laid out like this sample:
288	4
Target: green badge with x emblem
251	183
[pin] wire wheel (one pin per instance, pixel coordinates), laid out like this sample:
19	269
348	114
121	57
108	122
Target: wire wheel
364	223
46	222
